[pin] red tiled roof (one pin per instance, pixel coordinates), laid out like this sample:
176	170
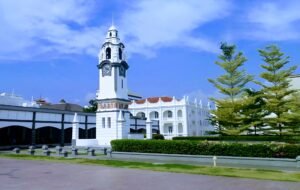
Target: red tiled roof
166	99
140	101
155	100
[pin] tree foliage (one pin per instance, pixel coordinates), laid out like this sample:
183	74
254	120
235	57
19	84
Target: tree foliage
276	89
293	115
92	107
231	85
253	110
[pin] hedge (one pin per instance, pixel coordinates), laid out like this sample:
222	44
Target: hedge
267	150
158	137
291	139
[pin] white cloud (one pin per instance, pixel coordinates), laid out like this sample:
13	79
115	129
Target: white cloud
34	27
149	25
274	20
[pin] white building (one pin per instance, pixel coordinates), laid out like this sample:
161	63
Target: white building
295	82
175	117
14	100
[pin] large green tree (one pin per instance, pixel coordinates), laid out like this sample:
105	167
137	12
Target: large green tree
227	117
276	88
253	110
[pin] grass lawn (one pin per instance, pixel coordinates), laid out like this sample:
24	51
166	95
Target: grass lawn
177	168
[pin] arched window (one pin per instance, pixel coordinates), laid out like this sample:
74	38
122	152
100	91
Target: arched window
110	34
168	114
154	115
141	115
108	53
120	53
179	113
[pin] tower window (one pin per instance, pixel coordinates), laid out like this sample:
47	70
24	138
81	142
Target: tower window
108	53
108	122
110	34
116	34
103	122
120	53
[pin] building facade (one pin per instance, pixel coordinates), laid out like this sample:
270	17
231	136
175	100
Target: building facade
175	117
32	126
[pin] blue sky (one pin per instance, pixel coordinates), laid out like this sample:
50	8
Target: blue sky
49	48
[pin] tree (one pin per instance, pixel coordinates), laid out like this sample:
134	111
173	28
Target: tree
276	89
293	115
231	85
253	110
92	107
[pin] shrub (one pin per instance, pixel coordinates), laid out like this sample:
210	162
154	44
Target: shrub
158	137
208	148
290	139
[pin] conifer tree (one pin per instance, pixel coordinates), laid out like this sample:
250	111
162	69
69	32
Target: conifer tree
254	110
276	88
231	85
293	115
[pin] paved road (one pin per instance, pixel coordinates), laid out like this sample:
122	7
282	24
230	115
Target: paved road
37	175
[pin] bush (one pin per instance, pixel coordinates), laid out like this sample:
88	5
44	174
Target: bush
208	148
158	137
290	139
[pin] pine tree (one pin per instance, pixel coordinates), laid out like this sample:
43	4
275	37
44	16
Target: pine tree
253	110
276	88
231	85
293	115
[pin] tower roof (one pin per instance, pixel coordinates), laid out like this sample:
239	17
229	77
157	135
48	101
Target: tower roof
112	27
112	35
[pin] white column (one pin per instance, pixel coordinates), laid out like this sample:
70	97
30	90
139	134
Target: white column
148	129
161	122
120	125
75	131
185	121
175	129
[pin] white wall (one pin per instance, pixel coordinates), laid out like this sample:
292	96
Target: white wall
193	121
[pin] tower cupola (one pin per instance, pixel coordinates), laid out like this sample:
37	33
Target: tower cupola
112	48
112	67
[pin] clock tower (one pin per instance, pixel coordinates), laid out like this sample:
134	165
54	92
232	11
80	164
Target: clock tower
112	117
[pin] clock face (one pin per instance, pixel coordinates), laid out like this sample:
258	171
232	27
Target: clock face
106	70
122	71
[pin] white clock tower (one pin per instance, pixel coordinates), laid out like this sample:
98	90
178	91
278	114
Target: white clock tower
112	118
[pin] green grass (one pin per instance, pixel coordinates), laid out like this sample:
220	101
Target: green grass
177	168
